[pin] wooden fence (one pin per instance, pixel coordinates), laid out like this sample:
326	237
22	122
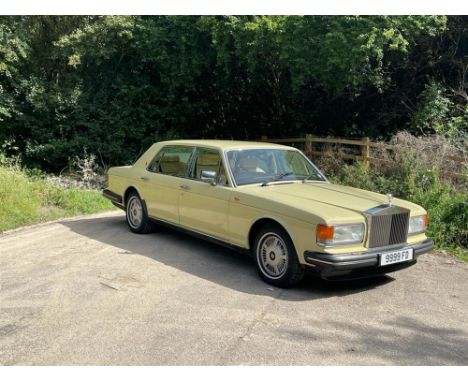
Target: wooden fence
363	147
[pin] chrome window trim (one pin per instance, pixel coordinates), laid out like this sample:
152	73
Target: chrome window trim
189	164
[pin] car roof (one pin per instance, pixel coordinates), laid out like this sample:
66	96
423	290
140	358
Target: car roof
224	144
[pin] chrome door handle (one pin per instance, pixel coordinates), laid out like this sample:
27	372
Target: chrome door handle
184	187
145	178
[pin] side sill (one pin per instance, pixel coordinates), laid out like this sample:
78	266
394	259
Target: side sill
118	205
200	235
112	196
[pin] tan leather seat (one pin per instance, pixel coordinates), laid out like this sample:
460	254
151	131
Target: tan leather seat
207	162
170	164
250	165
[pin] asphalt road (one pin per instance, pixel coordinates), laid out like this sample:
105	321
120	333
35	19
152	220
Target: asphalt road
87	291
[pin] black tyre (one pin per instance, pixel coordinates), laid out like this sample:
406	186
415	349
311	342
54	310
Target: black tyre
276	258
137	216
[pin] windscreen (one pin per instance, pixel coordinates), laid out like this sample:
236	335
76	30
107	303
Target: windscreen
250	166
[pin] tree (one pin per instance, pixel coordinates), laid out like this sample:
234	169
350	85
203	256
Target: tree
114	84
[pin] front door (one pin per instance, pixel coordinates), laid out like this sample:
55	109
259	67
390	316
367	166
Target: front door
204	203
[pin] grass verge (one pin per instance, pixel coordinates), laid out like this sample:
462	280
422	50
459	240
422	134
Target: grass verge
28	200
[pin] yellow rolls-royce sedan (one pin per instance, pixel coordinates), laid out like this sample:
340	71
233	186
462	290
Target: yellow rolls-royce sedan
273	202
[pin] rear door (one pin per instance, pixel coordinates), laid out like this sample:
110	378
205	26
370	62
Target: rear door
204	204
165	174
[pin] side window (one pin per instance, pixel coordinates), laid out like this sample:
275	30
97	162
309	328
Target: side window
205	160
208	160
172	161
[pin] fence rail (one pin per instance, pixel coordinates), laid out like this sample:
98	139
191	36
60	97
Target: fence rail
364	144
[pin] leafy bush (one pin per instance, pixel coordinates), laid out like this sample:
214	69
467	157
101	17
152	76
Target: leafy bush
448	214
435	112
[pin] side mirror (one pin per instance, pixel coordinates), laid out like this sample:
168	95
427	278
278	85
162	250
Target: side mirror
209	177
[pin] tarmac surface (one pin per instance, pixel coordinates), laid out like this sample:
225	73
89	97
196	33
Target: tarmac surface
86	291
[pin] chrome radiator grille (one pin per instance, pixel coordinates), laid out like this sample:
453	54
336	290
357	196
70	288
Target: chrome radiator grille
388	228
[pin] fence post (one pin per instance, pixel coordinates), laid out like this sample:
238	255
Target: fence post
264	138
365	150
308	149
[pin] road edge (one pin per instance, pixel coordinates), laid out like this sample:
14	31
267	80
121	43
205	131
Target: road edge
69	218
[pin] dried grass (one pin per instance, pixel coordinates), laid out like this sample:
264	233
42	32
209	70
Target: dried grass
434	152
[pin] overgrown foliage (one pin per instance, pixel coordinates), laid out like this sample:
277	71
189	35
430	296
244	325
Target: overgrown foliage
115	84
415	179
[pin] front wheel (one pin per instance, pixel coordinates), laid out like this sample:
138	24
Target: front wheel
137	217
276	258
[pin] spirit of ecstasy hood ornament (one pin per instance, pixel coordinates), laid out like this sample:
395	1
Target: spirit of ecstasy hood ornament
390	197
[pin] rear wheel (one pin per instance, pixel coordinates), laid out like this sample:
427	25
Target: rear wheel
276	258
137	217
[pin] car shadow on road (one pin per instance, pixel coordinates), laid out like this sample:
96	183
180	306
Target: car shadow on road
398	341
209	261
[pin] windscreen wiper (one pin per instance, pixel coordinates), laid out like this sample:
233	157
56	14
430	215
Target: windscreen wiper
276	178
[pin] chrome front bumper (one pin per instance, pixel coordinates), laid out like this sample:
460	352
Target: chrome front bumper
363	264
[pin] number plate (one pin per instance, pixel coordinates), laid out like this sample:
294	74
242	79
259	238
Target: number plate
396	256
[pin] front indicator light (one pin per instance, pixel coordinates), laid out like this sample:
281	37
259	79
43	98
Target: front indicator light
325	233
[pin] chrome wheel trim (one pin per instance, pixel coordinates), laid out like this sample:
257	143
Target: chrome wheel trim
272	255
134	212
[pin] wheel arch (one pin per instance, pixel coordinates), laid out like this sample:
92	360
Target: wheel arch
127	193
261	222
130	190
